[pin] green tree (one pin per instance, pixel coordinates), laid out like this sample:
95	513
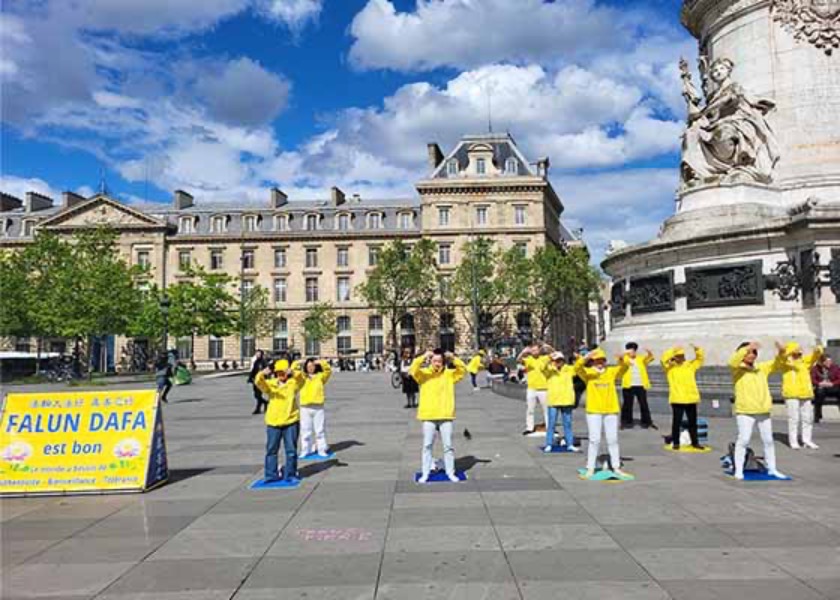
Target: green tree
256	316
319	323
400	281
203	304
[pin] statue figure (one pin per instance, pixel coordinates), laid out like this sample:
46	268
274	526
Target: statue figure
728	139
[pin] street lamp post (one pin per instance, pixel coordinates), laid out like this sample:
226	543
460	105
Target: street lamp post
164	311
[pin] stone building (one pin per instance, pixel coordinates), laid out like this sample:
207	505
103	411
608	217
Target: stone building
307	251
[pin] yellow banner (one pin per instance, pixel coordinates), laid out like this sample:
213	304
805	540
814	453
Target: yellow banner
69	442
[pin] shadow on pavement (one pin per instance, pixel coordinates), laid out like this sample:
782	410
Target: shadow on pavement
465	463
339	446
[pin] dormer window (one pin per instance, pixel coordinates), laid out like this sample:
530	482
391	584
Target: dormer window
452	167
218	224
281	222
481	166
343	222
375	221
406	220
311	222
249	222
186	225
511	166
28	228
7	227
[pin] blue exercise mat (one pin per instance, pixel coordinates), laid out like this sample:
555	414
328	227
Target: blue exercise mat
559	449
279	484
317	457
440	476
752	475
605	475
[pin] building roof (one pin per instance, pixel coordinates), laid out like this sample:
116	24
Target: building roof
503	147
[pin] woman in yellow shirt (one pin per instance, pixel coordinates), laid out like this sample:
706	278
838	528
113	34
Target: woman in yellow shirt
474	367
561	399
282	418
602	406
437	405
753	403
798	392
312	417
683	394
534	358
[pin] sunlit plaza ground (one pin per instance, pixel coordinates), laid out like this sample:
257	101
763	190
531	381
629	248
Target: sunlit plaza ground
522	526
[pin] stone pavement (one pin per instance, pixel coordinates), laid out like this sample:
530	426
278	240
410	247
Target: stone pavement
523	526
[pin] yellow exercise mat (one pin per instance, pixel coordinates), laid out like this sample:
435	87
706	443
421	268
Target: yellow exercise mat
688	449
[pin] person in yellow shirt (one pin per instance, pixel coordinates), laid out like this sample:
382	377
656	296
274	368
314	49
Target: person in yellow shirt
634	385
560	399
312	417
798	392
534	358
602	406
753	404
683	394
474	367
437	405
282	418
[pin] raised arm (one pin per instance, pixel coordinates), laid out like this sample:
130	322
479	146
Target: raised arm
737	358
326	370
584	372
649	358
261	382
623	365
815	356
778	363
699	357
416	369
459	368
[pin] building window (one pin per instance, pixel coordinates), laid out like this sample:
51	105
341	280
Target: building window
373	256
216	348
184	259
312	347
312	289
281	222
344	339
443	216
343	222
247	287
218	224
250	223
311	258
481	215
280	289
511	166
184	347
217	259
247	259
143	261
519	215
447	332
375	323
279	258
185	225
376	337
522	247
405	220
343	289
452	167
480	166
28	226
249	345
342	258
523	327
311	222
281	335
22	344
407	338
375	221
444	254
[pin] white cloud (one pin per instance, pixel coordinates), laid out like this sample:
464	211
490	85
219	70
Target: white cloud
295	14
18	186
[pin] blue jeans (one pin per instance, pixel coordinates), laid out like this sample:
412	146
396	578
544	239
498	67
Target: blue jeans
566	415
288	434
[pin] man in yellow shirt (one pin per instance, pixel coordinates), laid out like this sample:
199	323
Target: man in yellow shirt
798	392
312	417
474	367
602	406
634	385
753	403
683	394
561	399
437	405
534	358
282	418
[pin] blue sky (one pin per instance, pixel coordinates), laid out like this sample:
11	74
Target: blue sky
226	98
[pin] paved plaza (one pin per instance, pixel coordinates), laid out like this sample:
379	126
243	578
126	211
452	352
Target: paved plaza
522	526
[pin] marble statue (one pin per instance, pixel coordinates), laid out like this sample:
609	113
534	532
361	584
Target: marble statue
727	139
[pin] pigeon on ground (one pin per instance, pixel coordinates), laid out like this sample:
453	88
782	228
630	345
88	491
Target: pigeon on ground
467	434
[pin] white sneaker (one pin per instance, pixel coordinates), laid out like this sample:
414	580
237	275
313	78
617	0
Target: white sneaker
573	449
739	476
453	478
475	389
795	446
423	479
777	473
811	445
547	449
303	455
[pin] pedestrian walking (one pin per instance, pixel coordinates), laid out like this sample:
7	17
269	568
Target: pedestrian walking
282	418
683	394
258	363
163	376
798	392
409	386
312	415
474	367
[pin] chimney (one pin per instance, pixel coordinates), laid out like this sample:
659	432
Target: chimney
542	167
36	202
435	155
337	196
9	202
278	198
356	198
183	200
70	199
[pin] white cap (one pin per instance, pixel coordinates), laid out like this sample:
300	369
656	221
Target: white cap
557	355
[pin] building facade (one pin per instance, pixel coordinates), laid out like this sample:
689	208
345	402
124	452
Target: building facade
310	251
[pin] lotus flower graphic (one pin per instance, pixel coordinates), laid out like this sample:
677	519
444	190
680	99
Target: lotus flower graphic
127	449
16	452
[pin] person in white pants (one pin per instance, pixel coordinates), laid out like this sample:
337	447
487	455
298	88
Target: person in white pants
312	417
753	403
534	359
798	392
602	407
436	409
